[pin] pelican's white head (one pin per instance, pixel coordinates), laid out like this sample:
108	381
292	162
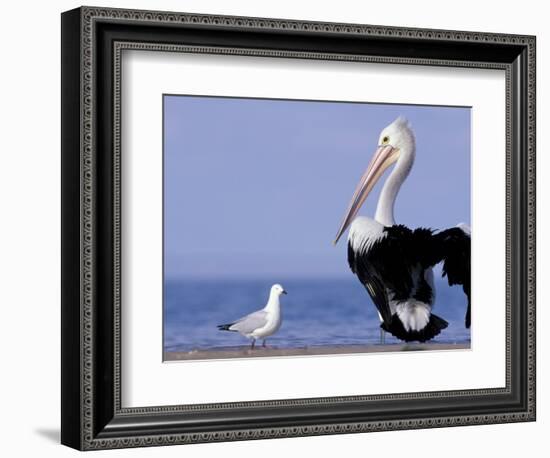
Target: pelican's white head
277	290
396	144
400	137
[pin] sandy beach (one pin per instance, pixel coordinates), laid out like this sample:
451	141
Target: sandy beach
260	352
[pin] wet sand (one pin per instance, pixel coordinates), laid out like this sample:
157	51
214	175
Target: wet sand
260	352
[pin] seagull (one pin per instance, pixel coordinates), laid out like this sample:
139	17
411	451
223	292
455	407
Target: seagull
262	323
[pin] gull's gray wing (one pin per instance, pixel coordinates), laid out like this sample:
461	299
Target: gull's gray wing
250	323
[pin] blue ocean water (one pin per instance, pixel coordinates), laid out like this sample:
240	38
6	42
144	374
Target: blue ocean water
316	312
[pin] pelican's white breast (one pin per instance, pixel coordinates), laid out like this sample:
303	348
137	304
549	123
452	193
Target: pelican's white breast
364	232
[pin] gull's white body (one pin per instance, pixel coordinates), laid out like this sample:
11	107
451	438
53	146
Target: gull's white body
262	323
272	318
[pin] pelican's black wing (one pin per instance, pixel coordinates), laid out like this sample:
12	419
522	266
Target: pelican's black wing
388	264
372	281
453	247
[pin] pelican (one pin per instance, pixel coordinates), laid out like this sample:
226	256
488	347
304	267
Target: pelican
394	263
262	323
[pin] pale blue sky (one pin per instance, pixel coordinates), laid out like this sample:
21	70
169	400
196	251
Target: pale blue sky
257	188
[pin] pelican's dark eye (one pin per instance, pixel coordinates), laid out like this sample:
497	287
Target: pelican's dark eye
385	140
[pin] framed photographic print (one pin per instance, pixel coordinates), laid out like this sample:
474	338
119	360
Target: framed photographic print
280	165
277	228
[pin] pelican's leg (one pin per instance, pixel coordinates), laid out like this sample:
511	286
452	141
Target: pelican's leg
382	336
253	342
263	344
382	332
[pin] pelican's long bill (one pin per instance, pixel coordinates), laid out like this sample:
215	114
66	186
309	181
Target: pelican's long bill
384	156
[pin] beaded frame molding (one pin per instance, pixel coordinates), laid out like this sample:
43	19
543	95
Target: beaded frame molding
92	42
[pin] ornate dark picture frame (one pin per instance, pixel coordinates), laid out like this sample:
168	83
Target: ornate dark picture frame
92	42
